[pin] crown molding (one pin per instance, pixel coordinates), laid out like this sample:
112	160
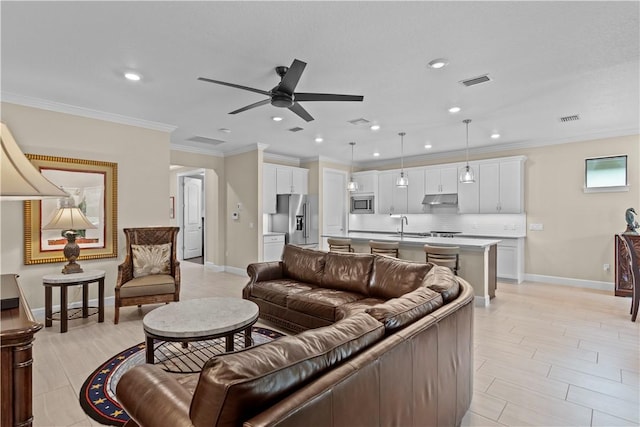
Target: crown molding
280	158
246	149
196	150
58	107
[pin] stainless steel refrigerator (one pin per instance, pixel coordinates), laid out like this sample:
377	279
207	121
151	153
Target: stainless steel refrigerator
297	216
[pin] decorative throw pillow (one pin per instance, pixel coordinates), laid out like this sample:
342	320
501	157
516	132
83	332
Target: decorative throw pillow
151	259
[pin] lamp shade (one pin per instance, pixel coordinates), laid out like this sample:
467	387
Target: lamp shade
69	218
19	178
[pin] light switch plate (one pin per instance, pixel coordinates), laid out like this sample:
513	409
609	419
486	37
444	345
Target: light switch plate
536	227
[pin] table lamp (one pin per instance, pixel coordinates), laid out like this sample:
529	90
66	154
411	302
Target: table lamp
70	219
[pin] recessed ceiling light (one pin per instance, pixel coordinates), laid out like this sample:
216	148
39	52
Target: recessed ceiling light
375	127
319	139
454	109
427	146
376	154
495	135
134	77
438	63
276	119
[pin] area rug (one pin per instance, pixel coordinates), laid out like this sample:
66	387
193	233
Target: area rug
98	393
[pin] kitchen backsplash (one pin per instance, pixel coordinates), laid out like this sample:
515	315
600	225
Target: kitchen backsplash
499	225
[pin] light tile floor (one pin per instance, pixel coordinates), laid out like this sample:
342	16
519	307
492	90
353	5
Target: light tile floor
544	356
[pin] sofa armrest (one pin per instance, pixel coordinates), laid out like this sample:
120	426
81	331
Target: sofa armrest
261	272
152	398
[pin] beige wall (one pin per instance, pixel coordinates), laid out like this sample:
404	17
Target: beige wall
244	186
142	156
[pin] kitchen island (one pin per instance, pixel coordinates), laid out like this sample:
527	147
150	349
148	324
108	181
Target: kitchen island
477	256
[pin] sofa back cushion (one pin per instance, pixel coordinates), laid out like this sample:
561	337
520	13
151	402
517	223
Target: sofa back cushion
304	265
400	312
236	386
347	272
442	280
392	277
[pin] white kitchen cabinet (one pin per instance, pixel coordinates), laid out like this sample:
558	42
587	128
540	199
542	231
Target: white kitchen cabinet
501	186
415	191
367	182
291	180
510	262
269	193
391	199
273	245
469	193
441	180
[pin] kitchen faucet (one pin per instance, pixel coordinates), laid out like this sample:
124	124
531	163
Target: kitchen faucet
403	220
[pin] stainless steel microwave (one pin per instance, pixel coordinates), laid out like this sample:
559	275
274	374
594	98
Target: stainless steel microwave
362	204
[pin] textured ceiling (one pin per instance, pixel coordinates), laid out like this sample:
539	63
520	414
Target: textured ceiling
546	60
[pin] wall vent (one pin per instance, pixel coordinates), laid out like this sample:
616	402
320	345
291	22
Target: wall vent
476	80
360	121
206	140
570	118
296	129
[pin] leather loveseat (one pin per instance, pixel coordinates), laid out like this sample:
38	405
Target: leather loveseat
384	360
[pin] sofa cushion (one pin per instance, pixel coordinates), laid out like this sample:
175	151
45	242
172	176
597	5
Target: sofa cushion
347	272
303	265
360	306
321	302
154	284
236	386
442	280
400	312
276	291
392	277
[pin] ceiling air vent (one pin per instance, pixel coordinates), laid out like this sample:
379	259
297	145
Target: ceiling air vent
206	140
476	80
570	118
360	121
296	129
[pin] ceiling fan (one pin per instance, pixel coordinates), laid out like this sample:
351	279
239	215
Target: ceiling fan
284	95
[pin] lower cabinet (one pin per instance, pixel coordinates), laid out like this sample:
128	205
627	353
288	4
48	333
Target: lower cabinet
510	263
273	247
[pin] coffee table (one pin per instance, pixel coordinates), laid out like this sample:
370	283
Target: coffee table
200	320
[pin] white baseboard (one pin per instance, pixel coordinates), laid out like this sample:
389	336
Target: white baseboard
481	301
568	281
213	267
108	302
235	270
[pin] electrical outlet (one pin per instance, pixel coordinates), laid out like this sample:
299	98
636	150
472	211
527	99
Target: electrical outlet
536	227
606	267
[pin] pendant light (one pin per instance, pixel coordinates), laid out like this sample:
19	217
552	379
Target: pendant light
402	180
467	177
352	185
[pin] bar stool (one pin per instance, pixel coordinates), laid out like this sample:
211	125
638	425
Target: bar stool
339	245
384	248
447	256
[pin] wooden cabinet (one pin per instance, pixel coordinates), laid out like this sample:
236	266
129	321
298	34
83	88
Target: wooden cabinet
469	193
501	186
367	182
623	279
391	199
17	330
441	180
269	192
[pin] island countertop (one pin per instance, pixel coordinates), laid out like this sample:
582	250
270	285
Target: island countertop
413	240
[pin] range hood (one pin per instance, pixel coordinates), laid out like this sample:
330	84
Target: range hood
440	199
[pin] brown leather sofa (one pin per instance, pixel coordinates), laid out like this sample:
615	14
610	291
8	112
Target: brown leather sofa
402	360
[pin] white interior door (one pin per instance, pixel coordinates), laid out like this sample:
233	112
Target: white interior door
334	206
192	217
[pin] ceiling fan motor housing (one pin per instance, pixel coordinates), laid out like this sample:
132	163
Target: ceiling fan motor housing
281	99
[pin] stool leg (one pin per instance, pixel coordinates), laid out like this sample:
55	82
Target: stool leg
101	300
64	315
85	300
48	310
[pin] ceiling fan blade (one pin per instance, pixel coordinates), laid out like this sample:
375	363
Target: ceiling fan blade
263	92
292	76
254	105
297	108
299	97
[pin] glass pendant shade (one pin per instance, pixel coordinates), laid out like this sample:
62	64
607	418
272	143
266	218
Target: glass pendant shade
352	185
467	176
402	180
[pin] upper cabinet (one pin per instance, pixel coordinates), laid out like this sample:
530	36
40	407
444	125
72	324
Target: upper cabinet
415	191
367	182
291	180
391	199
441	179
469	193
502	186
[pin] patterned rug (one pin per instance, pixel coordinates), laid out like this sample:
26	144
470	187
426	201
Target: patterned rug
98	393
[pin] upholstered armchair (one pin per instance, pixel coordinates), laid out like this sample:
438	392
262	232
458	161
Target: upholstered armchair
150	273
